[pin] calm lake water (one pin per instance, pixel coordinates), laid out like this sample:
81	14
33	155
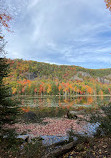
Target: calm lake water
69	102
51	121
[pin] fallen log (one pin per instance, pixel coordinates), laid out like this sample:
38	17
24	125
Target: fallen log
61	150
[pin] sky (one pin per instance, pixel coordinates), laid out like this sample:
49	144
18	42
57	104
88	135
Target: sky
59	32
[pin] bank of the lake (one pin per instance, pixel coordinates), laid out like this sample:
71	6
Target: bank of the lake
45	118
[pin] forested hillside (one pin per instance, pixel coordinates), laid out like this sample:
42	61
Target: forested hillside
32	77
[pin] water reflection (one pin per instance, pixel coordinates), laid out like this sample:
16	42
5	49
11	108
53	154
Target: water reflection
51	115
57	101
56	106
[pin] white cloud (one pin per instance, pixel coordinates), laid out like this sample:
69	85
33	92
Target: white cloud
61	31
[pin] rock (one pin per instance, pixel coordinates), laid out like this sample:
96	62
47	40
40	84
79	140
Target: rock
29	76
71	115
23	137
103	80
26	138
79	76
76	78
84	74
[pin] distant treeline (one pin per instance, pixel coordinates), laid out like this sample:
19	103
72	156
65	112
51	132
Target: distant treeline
49	87
36	78
20	67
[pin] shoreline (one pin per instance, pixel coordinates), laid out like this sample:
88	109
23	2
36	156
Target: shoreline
61	95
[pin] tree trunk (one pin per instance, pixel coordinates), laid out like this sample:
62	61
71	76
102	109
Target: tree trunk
61	150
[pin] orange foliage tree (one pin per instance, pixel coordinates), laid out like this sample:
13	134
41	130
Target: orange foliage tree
108	4
4	22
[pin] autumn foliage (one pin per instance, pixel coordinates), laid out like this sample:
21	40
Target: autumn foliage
46	79
4	22
108	4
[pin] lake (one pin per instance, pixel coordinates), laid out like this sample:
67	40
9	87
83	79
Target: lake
51	122
67	101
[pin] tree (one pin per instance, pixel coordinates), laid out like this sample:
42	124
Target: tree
108	4
8	108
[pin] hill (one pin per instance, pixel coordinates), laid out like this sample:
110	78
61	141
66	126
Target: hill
22	69
56	79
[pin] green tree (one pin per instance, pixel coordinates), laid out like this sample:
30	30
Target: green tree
8	108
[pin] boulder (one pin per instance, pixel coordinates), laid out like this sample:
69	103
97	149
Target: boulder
71	115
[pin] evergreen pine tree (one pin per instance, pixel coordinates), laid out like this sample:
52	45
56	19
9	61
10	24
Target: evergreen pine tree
8	107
